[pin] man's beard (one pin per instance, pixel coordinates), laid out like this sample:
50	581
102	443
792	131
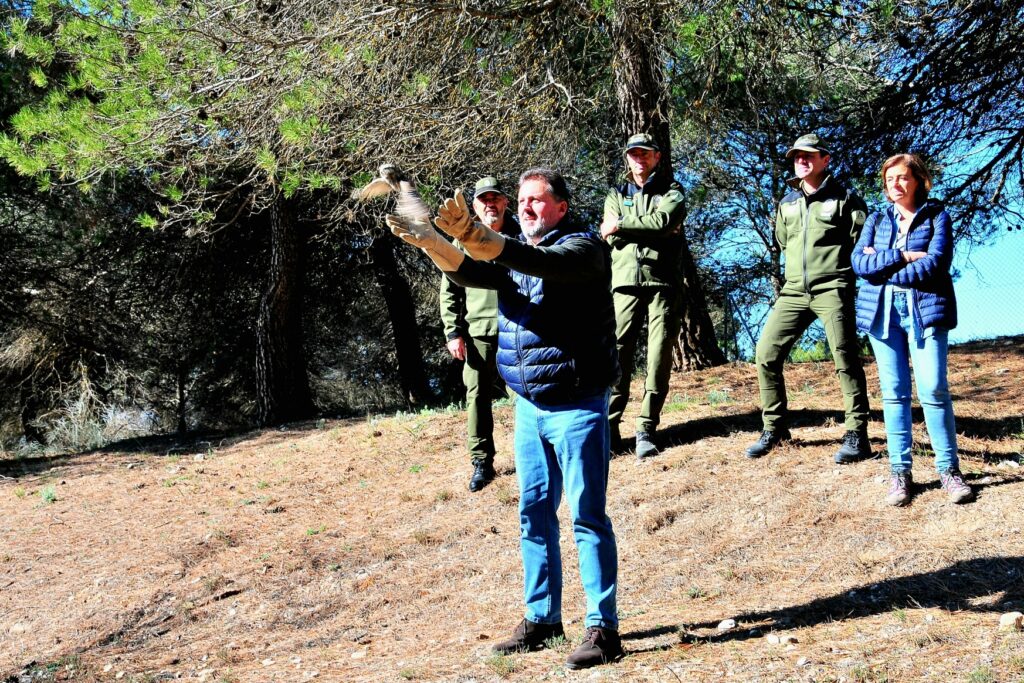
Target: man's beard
489	220
539	229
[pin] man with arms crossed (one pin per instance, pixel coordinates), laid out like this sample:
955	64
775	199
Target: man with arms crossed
556	351
642	223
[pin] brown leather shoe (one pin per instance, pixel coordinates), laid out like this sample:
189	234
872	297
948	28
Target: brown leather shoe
529	636
599	646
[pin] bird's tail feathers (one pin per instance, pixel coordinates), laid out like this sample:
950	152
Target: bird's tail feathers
412	206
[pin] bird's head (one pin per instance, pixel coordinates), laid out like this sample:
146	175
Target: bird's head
392	174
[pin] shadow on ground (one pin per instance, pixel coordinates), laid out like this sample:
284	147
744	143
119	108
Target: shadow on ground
161	445
997	580
750	421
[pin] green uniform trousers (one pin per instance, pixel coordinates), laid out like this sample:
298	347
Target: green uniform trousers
789	318
659	306
480	375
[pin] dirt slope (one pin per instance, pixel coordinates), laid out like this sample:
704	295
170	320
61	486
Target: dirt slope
352	551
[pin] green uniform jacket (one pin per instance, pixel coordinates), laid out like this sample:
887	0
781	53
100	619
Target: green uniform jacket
471	312
817	233
646	247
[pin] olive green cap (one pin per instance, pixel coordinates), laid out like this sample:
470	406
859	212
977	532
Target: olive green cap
808	143
641	141
487	184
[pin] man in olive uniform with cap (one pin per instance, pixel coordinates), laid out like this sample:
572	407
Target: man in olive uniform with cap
817	225
470	318
643	226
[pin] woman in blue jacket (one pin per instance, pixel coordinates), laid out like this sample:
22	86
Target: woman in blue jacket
907	307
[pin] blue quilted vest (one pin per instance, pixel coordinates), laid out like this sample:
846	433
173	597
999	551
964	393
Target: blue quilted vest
933	301
556	340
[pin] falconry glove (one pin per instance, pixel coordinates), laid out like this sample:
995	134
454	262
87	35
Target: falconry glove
421	234
482	243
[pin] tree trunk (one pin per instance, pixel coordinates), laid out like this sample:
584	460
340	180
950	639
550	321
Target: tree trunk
643	107
402	314
640	80
699	347
282	385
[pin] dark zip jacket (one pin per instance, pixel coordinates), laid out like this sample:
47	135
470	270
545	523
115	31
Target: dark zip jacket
647	245
556	323
817	233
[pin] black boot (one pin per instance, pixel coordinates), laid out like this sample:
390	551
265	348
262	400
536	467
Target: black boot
769	440
855	447
615	440
483	474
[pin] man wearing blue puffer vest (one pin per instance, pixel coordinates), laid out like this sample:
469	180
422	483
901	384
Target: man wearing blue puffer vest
556	351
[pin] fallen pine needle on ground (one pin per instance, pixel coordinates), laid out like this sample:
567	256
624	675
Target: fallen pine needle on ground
351	550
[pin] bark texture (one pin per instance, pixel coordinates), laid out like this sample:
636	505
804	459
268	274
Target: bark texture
402	314
643	107
282	385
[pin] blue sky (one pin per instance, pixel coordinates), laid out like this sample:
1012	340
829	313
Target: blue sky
990	290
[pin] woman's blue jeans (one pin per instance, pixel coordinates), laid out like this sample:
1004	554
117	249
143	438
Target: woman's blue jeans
565	446
928	354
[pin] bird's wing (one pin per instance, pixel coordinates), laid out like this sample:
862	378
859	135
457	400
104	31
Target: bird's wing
377	187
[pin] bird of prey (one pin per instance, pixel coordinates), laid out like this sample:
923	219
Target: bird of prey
391	179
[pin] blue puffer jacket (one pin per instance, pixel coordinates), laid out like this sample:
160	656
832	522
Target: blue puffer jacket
928	279
556	330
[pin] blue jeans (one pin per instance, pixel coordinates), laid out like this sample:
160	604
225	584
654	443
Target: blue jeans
928	354
556	446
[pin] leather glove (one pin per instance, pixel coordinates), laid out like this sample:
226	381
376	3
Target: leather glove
482	243
422	235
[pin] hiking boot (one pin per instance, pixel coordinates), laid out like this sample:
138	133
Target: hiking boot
644	447
615	439
855	447
955	486
899	488
529	636
599	646
769	440
483	474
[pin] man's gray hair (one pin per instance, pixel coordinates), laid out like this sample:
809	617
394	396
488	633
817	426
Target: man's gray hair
555	181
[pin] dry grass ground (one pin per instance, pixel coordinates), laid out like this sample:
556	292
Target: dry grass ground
352	551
